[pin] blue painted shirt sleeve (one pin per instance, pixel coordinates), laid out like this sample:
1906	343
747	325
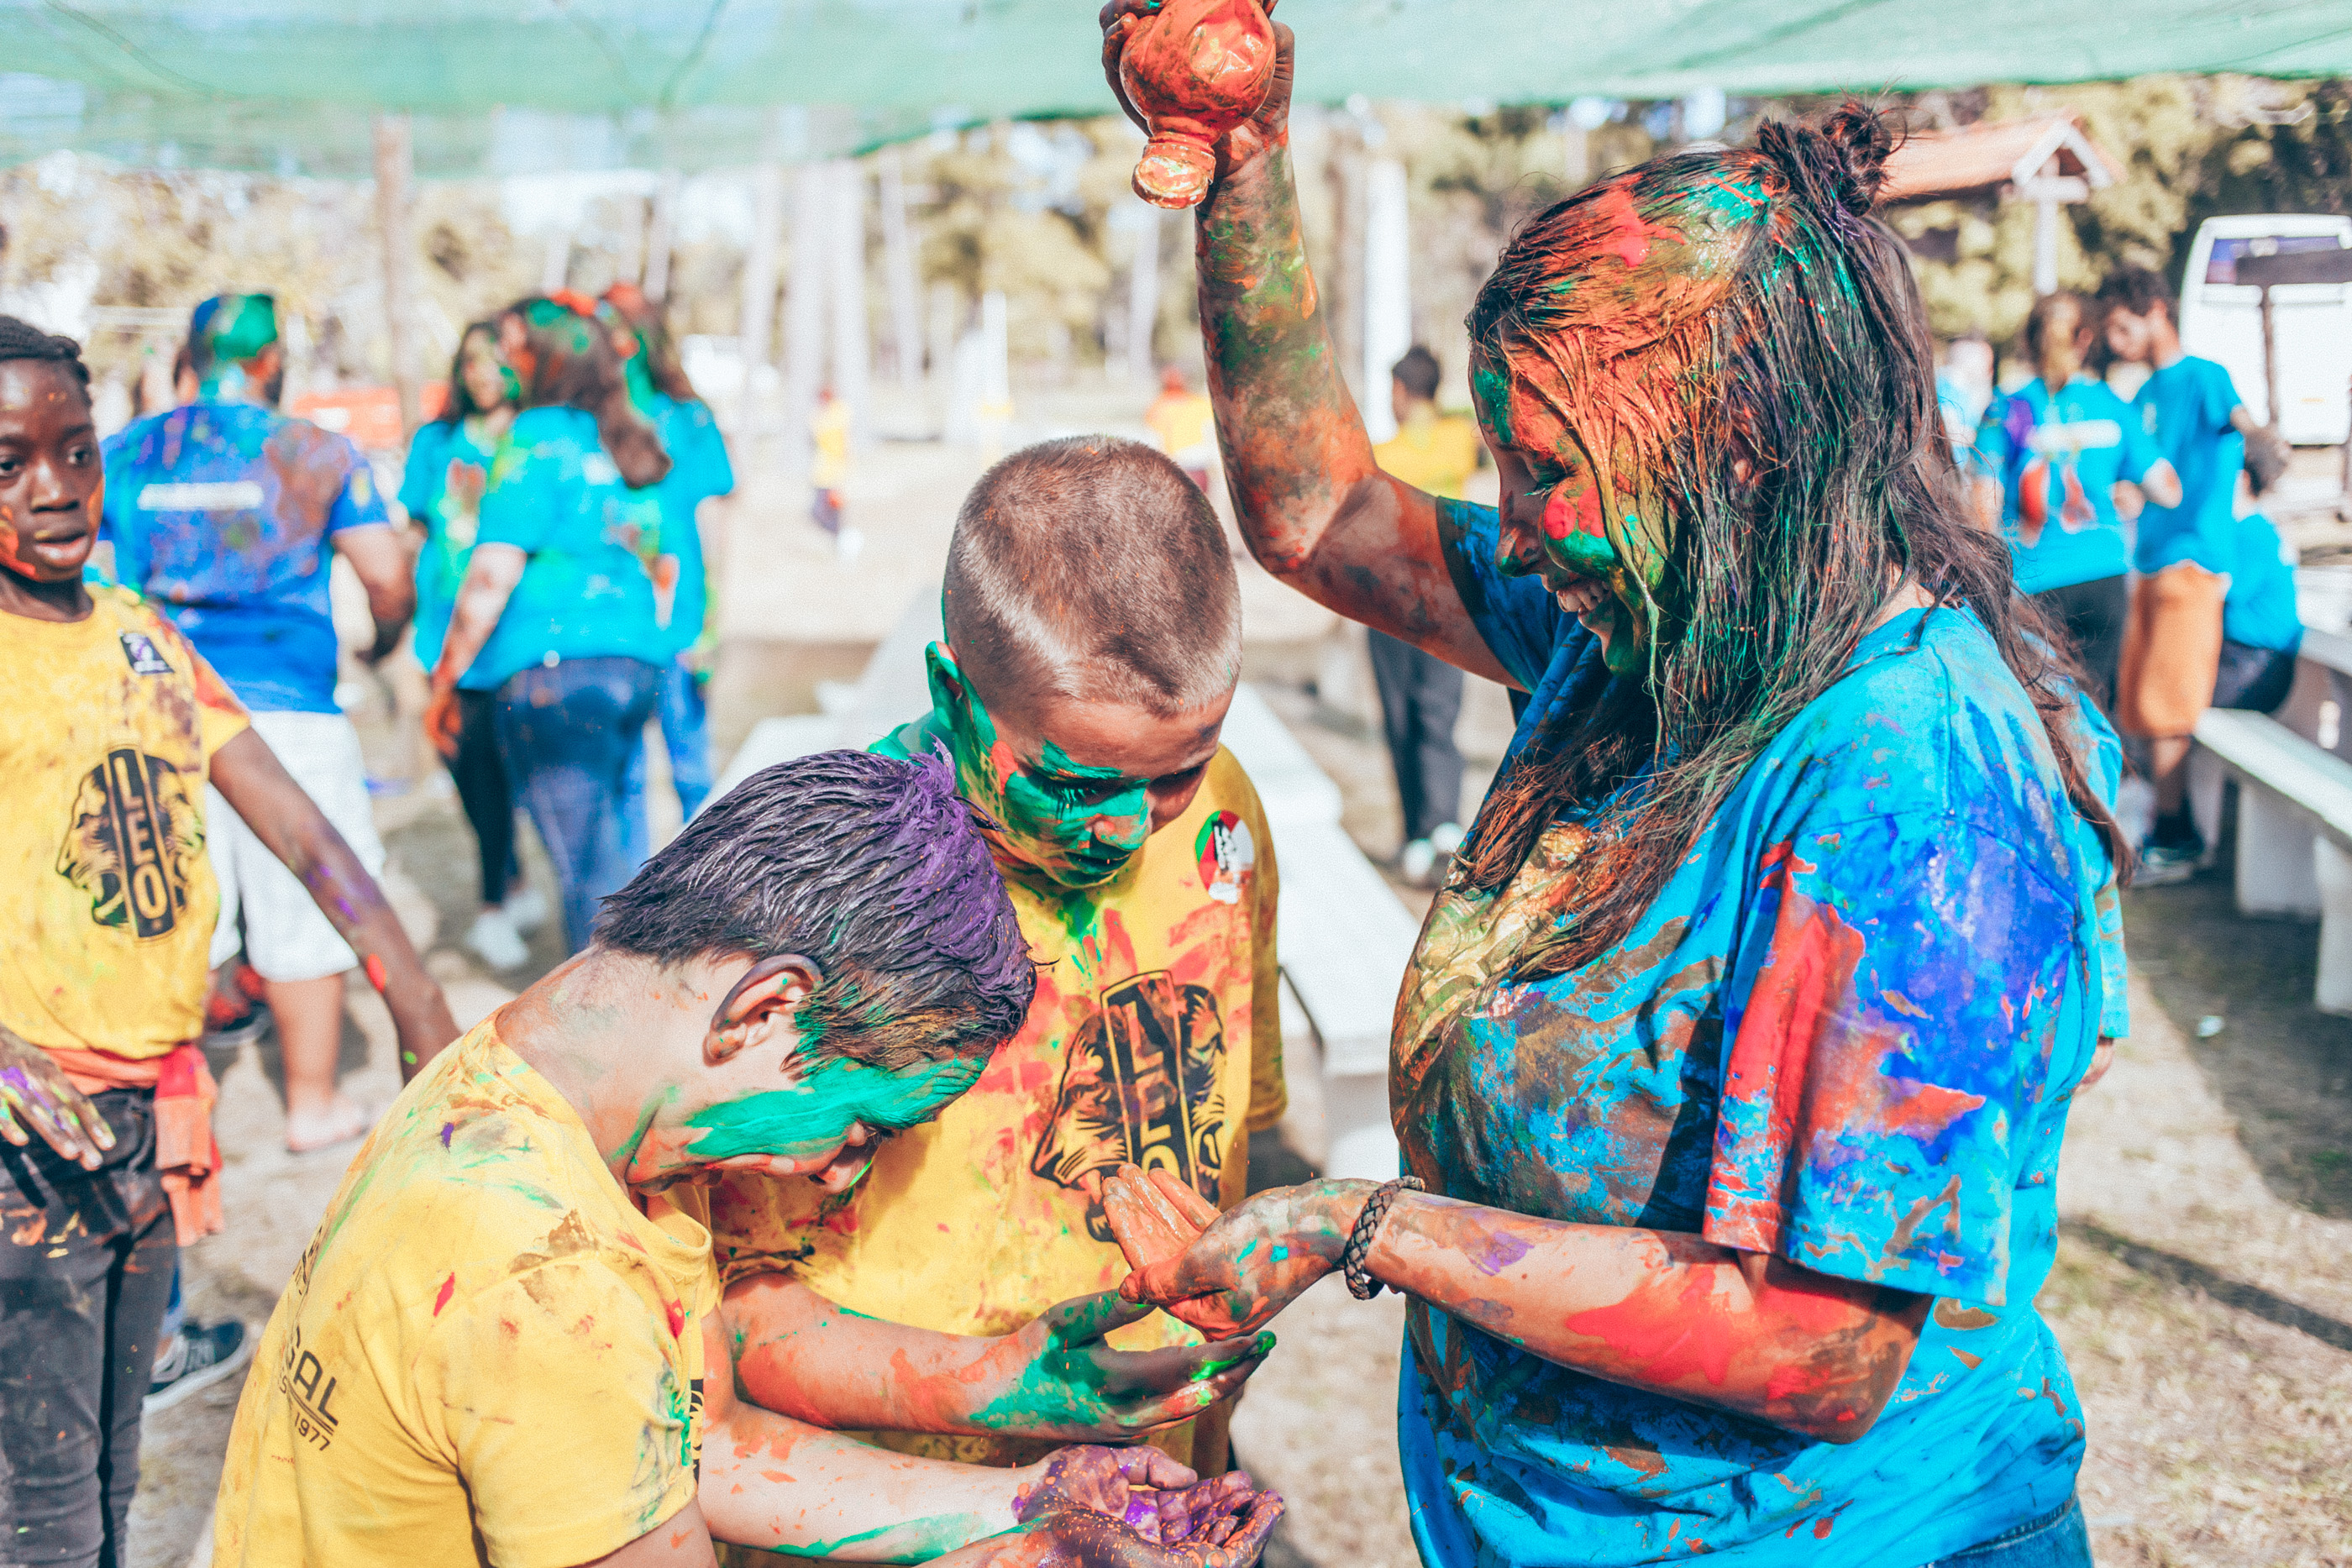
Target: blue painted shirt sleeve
1520	620
360	505
1891	1012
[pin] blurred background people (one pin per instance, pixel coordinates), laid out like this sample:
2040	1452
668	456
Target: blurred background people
700	471
1421	695
228	515
1185	425
2260	629
449	462
556	615
829	472
2052	454
1964	388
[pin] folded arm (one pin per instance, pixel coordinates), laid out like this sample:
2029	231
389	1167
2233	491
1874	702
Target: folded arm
1661	1310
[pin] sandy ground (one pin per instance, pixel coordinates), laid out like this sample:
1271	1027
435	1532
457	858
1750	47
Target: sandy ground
2204	1285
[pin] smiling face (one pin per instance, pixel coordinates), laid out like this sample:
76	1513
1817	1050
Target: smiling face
1076	784
488	383
51	478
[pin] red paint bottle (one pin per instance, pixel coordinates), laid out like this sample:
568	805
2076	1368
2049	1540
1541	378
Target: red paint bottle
1194	70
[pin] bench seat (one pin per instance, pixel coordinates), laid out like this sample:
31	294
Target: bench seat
2294	833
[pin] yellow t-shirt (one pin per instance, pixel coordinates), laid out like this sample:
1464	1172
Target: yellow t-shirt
1155	1037
1432	452
829	430
487	1354
111	722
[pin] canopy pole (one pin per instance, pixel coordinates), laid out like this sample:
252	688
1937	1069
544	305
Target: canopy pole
661	240
853	354
899	271
1143	297
395	173
757	327
805	310
1388	290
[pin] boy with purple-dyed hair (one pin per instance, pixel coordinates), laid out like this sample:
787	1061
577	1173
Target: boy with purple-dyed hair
494	1349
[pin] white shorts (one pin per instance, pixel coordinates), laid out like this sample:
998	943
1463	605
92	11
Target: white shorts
285	937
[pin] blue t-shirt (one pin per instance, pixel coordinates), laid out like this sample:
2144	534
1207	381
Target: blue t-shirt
221	513
698	470
586	591
2058	460
1845	1033
434	452
2261	610
2185	408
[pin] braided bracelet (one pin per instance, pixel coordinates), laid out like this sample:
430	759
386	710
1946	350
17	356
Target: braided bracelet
1360	1283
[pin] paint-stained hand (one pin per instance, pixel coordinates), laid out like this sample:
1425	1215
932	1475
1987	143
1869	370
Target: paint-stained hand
1269	126
1137	1508
34	1093
1250	1263
1057	1378
443	721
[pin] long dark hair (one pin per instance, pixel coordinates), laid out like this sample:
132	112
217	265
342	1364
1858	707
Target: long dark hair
647	323
460	404
1785	420
567	359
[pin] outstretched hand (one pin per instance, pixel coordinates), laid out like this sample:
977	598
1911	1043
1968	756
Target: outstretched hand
1269	126
34	1093
1137	1508
1061	1380
1227	1274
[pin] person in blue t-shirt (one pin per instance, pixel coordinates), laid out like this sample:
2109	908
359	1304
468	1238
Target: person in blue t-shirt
556	616
1736	1054
2053	453
228	514
700	471
2172	646
2262	628
449	461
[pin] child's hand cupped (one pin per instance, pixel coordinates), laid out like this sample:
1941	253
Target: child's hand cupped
1137	1508
1227	1274
1056	1377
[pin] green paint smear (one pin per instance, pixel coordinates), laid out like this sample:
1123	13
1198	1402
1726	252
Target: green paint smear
933	1536
1261	1345
810	1116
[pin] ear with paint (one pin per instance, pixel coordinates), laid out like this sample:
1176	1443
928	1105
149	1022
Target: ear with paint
777	984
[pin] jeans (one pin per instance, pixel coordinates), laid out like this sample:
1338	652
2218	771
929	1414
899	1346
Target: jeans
85	1265
2056	1540
481	780
566	731
1421	697
685	734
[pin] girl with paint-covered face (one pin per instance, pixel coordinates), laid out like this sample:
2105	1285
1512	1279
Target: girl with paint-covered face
1732	1064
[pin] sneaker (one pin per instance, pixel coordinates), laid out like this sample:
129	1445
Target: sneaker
526	910
196	1358
494	941
1414	861
2162	864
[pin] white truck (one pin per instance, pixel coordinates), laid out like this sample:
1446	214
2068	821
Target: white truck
2221	319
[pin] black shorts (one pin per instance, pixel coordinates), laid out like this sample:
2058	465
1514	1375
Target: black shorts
2257	679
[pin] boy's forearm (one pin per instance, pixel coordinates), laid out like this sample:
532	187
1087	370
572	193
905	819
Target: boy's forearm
285	819
781	1485
799	1354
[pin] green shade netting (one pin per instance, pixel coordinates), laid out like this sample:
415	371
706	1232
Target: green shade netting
288	85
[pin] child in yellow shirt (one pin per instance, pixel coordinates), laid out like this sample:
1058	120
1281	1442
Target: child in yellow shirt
505	1342
110	725
1093	641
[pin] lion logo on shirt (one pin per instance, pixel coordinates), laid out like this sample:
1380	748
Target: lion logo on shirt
132	842
1142	1086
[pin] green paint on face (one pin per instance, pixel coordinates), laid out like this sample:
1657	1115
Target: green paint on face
1078	824
810	1117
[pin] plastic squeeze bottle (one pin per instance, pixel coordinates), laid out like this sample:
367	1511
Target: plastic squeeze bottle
1194	70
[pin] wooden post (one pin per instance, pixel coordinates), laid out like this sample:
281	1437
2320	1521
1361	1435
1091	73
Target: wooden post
395	173
661	239
2270	359
899	271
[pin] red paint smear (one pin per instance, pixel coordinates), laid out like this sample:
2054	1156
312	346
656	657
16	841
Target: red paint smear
375	968
1666	1338
1627	237
676	1318
1573	508
449	1289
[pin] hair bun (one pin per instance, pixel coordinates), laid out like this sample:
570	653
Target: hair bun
1864	137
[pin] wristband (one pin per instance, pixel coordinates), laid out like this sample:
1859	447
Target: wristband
1360	1283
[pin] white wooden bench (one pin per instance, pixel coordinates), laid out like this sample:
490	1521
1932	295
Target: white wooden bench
1345	938
2294	833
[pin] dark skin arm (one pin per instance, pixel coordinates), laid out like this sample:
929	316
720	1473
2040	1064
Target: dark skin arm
386	568
1660	1311
248	774
1316	509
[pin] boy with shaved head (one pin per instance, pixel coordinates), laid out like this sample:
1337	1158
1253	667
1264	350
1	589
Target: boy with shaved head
1093	641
